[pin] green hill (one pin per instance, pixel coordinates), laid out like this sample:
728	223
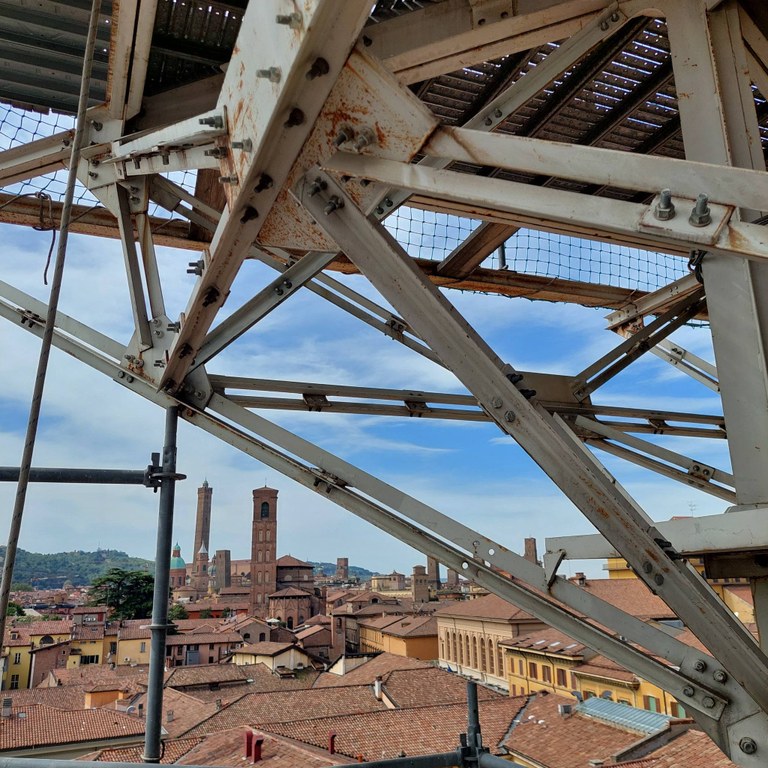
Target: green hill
51	571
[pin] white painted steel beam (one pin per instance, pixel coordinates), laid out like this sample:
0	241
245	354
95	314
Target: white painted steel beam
719	126
575	471
35	158
737	531
271	101
605	219
623	170
447	36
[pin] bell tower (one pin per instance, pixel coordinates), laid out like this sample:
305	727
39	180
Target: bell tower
263	549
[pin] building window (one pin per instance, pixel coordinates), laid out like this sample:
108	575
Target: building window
113	648
14	682
264	509
474	652
269	535
500	661
258	577
259	556
89	659
533	672
651	703
546	673
210	646
467	657
491	665
17	658
627	703
482	655
589	694
561	678
143	647
574	683
676	710
520	668
262	637
258	598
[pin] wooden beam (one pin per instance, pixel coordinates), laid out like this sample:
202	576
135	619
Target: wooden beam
470	254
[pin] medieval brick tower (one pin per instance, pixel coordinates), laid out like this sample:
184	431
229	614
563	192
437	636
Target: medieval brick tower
263	549
203	518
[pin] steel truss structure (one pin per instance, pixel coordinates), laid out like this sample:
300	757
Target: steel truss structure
325	120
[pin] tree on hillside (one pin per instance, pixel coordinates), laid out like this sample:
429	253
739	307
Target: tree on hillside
127	593
14	609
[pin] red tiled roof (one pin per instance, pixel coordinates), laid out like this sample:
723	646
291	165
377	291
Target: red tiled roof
60	697
226	749
548	640
692	749
38	725
602	667
407	688
563	741
631	596
366	673
244	678
181	711
287	561
412	626
389	733
265	648
280	706
173	750
91	674
487	607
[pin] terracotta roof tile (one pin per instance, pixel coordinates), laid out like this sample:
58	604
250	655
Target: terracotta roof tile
60	697
173	750
278	706
412	626
692	749
205	674
389	733
425	687
256	678
549	640
287	561
226	749
38	725
602	667
181	711
92	674
487	607
366	673
266	648
549	738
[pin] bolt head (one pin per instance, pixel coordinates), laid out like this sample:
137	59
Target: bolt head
748	746
688	690
647	567
708	702
509	416
720	676
496	402
699	665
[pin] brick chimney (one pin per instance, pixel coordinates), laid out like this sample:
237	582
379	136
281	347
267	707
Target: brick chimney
258	743
331	743
530	552
248	743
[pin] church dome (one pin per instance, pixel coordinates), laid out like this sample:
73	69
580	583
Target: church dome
176	559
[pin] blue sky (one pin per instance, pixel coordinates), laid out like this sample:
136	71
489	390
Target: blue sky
468	470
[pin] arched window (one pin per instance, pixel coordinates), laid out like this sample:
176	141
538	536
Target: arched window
482	655
467	657
442	649
290	622
246	635
473	663
491	664
265	509
262	637
46	640
500	660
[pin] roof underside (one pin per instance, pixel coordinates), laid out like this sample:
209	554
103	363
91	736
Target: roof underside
621	95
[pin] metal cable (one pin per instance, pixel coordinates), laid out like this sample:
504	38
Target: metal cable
50	322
